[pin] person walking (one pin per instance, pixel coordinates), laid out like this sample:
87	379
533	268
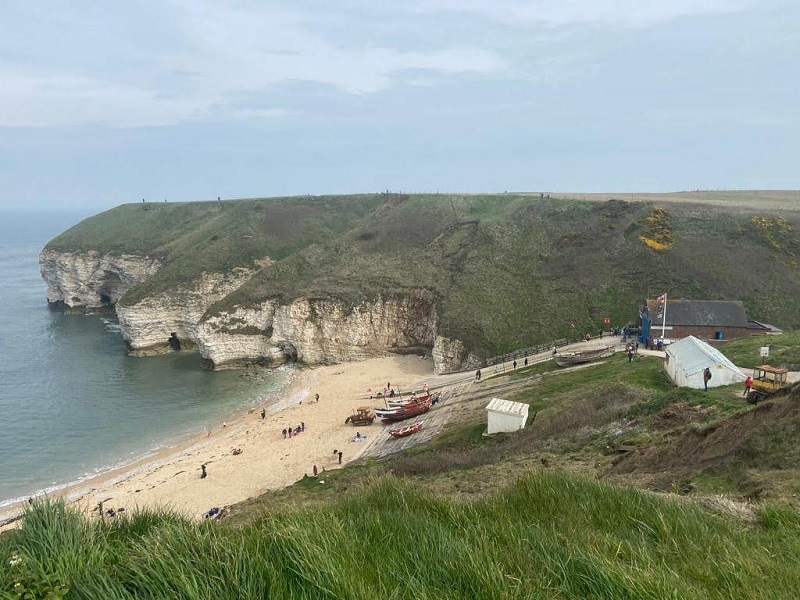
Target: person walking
203	473
748	385
340	456
515	365
263	412
478	375
706	377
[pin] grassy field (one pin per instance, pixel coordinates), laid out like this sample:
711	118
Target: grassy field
550	535
564	508
507	270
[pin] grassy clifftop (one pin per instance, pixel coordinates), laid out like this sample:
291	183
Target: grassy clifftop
508	270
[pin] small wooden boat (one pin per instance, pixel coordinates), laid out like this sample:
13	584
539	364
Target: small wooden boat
398	402
401	413
407	430
568	359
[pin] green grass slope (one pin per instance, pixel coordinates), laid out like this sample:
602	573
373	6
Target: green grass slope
507	270
550	535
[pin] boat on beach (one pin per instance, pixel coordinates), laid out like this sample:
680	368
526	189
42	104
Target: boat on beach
401	413
398	402
568	359
406	430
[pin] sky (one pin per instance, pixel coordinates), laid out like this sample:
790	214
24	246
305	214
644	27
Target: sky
103	103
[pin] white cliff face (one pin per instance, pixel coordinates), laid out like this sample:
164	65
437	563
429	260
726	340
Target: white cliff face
310	330
92	279
320	330
451	355
148	325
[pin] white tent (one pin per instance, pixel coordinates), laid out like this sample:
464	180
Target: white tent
687	358
505	415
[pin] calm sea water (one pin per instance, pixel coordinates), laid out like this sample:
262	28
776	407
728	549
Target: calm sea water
72	403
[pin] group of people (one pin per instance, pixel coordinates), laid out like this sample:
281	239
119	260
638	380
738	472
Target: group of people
293	432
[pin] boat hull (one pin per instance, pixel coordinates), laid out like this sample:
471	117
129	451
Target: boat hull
406	431
578	358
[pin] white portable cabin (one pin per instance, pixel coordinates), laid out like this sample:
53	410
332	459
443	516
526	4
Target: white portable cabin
505	415
687	358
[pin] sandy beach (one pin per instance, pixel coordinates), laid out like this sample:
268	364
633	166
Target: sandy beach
172	478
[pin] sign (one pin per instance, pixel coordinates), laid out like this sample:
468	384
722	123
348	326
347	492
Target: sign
764	351
607	320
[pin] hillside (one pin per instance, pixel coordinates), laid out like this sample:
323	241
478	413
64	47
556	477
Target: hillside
531	514
506	270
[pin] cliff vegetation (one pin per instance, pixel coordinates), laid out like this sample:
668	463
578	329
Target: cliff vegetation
506	270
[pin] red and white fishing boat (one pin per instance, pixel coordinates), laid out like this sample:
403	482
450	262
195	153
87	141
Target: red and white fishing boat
407	430
401	413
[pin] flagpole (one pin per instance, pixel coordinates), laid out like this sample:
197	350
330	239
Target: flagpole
664	317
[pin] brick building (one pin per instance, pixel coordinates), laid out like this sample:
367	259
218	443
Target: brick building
707	320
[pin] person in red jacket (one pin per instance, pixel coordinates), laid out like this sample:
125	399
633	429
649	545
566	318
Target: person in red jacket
748	385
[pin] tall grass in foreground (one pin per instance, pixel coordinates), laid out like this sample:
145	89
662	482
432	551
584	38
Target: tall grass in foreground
552	535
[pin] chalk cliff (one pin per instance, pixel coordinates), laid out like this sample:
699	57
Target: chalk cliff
318	330
147	325
92	279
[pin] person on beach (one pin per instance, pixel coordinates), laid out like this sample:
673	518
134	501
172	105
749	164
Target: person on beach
203	473
284	433
316	397
263	413
290	432
340	457
302	426
315	470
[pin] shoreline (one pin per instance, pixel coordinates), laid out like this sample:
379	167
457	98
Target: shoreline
170	477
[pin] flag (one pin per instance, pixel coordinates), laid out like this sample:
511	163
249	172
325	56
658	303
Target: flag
662	296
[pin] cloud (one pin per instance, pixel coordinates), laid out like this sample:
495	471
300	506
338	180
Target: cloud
614	13
204	57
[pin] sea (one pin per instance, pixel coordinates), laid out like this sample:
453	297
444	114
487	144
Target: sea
73	404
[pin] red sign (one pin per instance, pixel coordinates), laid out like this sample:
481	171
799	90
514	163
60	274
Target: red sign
607	320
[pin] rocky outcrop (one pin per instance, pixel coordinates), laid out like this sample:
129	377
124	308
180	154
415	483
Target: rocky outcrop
148	325
92	279
451	355
319	330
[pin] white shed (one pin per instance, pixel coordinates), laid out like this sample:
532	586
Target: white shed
505	415
687	358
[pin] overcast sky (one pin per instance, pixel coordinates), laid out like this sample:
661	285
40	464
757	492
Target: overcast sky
103	103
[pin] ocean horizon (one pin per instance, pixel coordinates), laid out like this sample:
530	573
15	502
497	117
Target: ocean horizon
74	404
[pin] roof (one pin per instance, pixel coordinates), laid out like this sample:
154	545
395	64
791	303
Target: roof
709	313
761	325
507	407
695	355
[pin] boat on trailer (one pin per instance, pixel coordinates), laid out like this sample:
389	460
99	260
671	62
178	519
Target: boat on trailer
568	359
407	430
